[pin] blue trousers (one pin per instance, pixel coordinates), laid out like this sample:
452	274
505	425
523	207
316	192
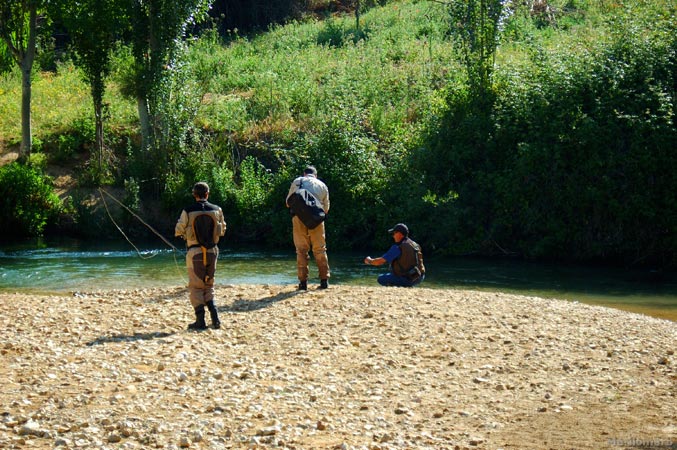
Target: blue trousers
390	279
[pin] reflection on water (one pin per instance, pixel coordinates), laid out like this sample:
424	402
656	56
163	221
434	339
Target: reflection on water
73	266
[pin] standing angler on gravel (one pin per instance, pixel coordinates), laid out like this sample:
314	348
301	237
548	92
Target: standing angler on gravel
306	236
201	224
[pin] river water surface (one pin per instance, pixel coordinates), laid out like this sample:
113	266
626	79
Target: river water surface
70	266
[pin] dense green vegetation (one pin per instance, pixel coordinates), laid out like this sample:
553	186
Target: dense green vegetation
28	200
561	144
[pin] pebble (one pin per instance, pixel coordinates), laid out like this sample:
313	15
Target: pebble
346	368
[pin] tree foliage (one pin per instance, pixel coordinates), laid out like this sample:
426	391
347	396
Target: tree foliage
475	25
590	168
157	27
94	28
250	14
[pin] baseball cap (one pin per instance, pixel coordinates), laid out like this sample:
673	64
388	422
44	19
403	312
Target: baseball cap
402	228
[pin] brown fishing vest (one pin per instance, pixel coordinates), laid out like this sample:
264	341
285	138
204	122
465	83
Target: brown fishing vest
410	262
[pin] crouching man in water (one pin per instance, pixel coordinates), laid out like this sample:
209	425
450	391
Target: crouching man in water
201	224
405	259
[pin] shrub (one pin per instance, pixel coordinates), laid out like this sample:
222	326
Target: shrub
257	202
27	201
347	160
588	141
199	165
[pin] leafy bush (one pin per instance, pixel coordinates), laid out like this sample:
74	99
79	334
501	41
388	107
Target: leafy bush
257	204
98	170
347	160
198	166
590	177
37	159
132	197
575	160
332	33
27	201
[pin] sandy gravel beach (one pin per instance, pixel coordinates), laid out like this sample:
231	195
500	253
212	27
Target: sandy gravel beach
345	368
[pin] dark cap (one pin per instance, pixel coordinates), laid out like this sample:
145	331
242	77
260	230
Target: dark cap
201	189
310	170
402	228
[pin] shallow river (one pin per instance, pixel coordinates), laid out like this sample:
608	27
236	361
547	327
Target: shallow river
72	266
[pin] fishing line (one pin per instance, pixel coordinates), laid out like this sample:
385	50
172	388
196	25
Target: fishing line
135	215
138	252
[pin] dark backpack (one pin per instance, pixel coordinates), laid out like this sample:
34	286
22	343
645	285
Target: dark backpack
304	205
203	227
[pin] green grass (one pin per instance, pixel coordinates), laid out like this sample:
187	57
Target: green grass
10	108
59	100
301	73
294	76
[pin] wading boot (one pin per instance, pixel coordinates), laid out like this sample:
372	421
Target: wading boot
199	323
216	323
303	285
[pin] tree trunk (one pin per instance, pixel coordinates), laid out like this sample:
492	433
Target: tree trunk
144	120
26	133
98	115
26	64
357	16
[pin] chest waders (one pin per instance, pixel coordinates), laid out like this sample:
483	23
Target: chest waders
204	226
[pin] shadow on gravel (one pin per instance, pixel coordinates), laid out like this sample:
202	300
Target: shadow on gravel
241	305
128	338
